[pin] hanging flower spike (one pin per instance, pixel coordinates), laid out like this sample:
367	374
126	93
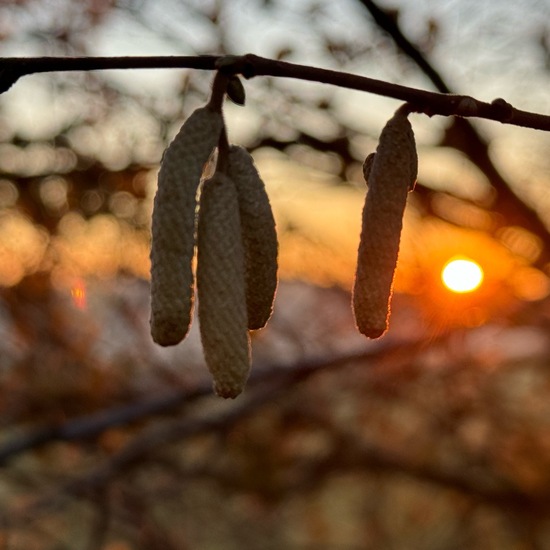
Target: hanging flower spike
221	287
173	227
259	237
391	174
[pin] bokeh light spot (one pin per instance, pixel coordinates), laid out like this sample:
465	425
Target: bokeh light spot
78	294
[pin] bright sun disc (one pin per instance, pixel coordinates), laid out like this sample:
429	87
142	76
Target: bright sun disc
462	275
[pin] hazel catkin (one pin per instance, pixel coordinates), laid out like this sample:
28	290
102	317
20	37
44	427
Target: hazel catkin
221	287
391	174
259	237
173	226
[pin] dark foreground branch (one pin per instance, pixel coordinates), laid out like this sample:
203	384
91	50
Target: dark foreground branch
250	65
92	425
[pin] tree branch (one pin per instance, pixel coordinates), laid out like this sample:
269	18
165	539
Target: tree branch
389	24
92	425
250	65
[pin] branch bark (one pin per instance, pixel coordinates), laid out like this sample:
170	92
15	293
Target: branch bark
250	65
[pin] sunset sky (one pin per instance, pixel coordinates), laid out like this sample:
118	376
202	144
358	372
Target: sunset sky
483	49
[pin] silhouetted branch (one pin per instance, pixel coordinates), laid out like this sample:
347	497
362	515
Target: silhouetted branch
389	24
351	453
145	444
250	65
92	425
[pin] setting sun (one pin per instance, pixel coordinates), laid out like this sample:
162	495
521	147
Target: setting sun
462	275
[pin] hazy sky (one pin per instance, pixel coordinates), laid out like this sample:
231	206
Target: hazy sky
482	48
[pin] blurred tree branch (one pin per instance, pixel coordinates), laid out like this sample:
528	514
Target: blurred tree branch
388	23
92	425
351	452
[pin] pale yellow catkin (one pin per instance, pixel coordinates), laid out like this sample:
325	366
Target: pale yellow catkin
173	226
391	174
221	287
259	237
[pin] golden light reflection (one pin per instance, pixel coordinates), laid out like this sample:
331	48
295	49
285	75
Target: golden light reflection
318	223
22	247
78	294
101	246
462	275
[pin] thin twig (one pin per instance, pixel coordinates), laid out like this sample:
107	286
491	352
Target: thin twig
389	24
250	65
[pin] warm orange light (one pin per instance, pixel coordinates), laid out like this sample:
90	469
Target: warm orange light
462	275
78	294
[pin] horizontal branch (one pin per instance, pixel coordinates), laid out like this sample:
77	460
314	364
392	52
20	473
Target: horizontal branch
430	103
92	425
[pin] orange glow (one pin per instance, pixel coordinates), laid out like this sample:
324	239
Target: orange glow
462	275
78	294
429	250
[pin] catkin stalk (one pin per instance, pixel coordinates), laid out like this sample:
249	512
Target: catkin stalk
221	287
259	237
173	227
391	173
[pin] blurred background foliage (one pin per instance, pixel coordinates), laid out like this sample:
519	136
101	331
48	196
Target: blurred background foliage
435	437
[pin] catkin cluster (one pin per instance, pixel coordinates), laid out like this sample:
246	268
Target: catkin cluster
390	173
229	222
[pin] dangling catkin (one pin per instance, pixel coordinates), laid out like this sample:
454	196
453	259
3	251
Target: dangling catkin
173	228
391	173
259	237
221	287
